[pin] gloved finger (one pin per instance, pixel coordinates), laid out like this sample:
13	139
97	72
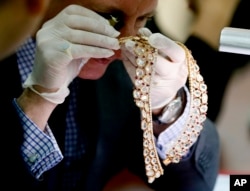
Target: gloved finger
128	50
74	69
61	46
84	51
167	47
80	10
91	39
164	67
173	76
129	45
89	24
144	32
128	58
64	21
78	37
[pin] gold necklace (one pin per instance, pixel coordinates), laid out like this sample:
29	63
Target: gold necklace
146	56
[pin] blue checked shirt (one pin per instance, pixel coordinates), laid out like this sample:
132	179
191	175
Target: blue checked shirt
40	150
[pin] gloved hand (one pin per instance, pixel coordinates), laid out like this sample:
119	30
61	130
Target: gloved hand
171	70
64	44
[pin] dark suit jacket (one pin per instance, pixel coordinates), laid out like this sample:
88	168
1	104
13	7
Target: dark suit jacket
110	125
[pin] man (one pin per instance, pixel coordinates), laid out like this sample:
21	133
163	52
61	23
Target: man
18	20
80	124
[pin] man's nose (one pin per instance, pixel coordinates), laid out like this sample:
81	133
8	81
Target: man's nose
128	29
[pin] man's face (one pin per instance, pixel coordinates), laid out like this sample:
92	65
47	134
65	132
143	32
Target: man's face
132	15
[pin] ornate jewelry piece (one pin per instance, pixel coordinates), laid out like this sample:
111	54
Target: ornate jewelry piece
197	113
146	56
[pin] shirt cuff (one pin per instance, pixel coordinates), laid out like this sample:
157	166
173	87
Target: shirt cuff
168	137
39	150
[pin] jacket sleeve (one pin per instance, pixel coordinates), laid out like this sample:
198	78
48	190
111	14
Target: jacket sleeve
199	170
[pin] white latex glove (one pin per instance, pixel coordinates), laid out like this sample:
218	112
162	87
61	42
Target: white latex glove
64	44
171	70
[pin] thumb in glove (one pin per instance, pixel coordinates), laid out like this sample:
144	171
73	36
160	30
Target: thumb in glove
170	69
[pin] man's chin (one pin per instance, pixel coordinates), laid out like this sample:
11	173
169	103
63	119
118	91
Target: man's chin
92	71
89	76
